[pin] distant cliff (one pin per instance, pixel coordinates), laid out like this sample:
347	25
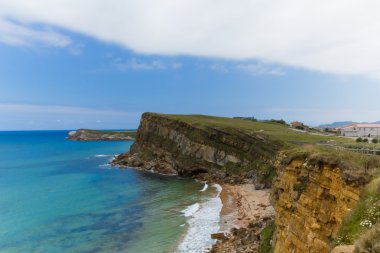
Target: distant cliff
100	135
192	146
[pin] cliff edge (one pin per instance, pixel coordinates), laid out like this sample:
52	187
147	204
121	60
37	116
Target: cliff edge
209	148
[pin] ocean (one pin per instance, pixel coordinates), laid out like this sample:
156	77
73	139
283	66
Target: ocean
58	195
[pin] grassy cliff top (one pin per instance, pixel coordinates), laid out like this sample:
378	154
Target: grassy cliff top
130	133
274	131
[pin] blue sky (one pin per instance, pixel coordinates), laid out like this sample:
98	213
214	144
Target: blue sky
54	75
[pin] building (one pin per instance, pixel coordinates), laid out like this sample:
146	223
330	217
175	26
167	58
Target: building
296	124
361	130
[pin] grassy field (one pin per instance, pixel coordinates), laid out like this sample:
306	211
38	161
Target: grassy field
274	131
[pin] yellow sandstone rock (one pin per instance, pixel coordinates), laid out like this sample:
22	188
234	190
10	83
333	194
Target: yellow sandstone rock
310	203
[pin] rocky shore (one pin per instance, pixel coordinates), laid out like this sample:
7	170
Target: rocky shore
100	135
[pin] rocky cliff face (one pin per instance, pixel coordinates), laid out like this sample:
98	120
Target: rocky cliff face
311	197
171	146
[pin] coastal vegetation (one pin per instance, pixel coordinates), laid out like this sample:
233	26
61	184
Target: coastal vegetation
363	217
273	129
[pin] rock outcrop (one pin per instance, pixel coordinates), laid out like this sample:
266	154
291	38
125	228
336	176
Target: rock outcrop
99	135
167	145
311	197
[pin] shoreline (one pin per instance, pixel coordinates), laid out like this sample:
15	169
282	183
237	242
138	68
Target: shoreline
202	220
243	204
245	210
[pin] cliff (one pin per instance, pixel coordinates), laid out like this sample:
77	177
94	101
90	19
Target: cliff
100	135
212	148
312	195
314	189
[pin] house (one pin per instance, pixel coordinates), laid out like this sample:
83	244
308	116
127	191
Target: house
298	125
361	130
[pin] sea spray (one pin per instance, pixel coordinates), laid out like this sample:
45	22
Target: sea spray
202	223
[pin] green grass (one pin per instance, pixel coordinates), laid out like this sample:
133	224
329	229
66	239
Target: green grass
130	133
274	131
266	236
355	163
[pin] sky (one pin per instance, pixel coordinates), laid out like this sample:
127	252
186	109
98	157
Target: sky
68	64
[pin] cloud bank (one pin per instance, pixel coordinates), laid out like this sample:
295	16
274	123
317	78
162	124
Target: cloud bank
15	34
340	37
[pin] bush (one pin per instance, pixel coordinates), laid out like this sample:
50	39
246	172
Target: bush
279	121
365	140
359	139
266	236
375	140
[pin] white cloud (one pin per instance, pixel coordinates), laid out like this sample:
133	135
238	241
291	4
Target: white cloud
15	34
138	64
257	69
340	37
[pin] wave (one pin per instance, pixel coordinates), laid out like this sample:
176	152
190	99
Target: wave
204	187
190	210
106	165
103	155
202	223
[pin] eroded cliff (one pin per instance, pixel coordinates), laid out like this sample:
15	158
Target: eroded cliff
311	196
170	145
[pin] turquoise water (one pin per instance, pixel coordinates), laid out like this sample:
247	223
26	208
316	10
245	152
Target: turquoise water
58	195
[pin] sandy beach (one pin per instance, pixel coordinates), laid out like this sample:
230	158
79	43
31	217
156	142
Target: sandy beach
243	204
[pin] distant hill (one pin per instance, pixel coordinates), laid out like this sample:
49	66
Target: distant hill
337	124
344	123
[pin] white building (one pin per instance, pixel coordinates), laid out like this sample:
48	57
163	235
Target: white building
361	130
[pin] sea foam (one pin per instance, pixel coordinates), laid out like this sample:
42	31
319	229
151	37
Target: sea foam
102	155
204	187
190	210
202	223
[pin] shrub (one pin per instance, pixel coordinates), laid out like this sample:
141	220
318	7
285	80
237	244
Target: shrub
365	140
266	238
359	139
279	121
375	140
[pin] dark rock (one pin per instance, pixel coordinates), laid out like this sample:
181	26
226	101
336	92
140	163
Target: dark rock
218	236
